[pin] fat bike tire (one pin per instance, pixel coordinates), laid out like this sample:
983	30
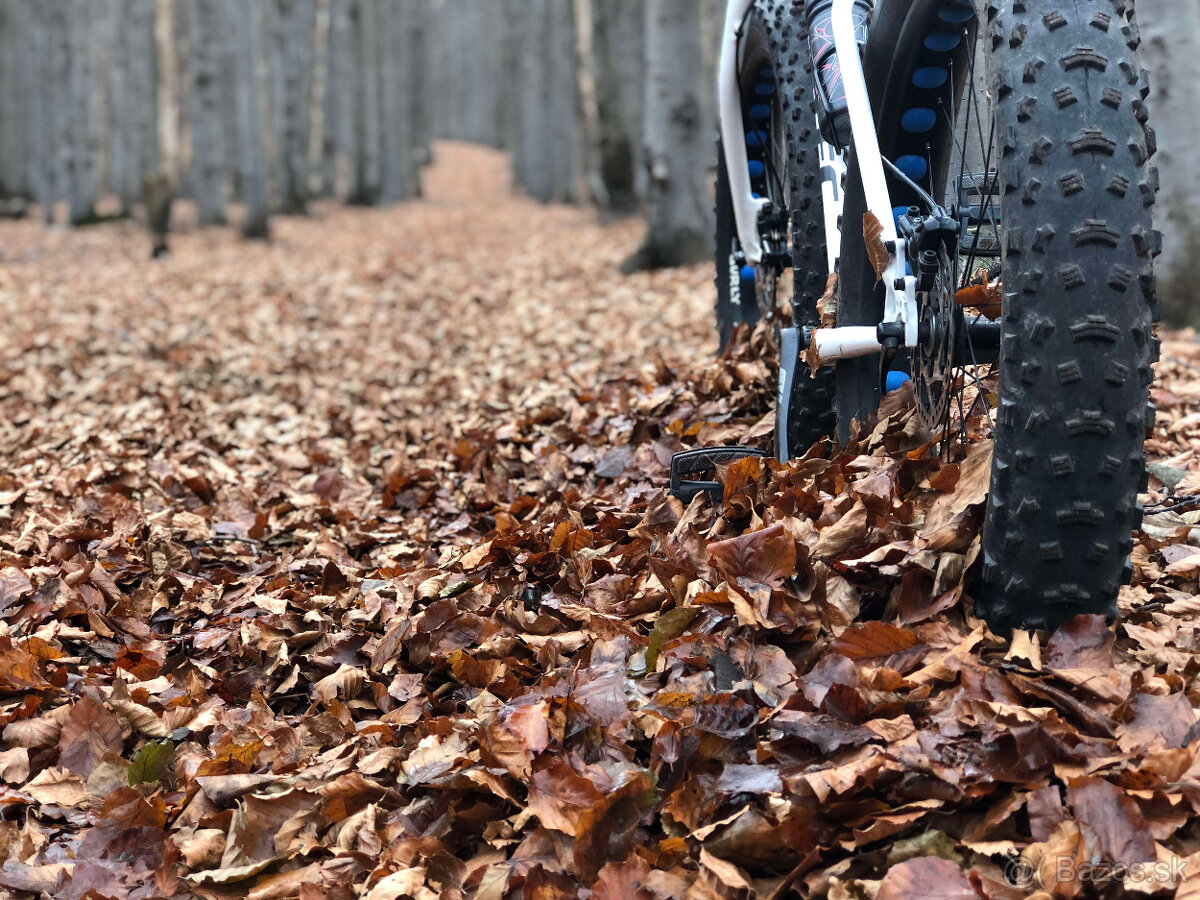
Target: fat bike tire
1076	185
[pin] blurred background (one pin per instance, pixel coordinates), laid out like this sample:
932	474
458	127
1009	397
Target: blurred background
248	109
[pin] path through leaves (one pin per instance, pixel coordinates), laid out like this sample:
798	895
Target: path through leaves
342	567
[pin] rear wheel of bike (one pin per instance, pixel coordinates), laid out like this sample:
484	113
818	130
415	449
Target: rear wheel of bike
1053	153
783	144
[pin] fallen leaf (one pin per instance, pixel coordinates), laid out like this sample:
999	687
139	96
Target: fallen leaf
926	878
89	732
151	762
877	251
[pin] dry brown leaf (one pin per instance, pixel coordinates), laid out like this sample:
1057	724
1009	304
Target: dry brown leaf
926	878
56	787
89	732
827	306
14	765
877	251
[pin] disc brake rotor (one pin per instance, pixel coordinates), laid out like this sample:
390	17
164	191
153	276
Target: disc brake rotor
934	376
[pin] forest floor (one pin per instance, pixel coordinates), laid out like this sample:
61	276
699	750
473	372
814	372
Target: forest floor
342	566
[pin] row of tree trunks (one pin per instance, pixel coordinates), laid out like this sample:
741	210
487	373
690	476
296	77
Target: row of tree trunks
270	103
274	102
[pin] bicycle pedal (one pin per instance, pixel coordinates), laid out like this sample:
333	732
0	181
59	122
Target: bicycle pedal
981	242
790	340
979	184
687	467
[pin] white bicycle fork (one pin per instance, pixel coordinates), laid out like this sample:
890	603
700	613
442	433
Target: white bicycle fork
900	305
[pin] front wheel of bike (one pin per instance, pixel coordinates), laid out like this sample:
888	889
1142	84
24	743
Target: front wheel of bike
1051	154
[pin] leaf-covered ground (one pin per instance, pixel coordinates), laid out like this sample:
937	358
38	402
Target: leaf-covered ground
342	567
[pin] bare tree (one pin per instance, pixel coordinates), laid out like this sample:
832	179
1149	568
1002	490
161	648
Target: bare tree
618	39
678	150
531	152
290	61
208	39
1171	51
400	40
84	184
366	170
16	124
141	117
43	161
508	98
545	140
318	101
58	102
246	25
117	102
338	118
421	97
168	91
565	112
162	182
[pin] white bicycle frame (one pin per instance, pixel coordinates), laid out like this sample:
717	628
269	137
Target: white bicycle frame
900	304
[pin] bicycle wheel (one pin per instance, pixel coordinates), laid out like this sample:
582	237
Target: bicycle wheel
1050	155
783	144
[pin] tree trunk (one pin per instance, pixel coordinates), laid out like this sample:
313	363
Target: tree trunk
10	124
339	98
618	41
477	48
39	70
399	43
318	101
84	184
115	66
291	59
443	64
244	19
421	98
1171	51
162	183
142	108
366	169
508	99
532	156
17	127
168	92
58	103
678	151
712	22
208	39
565	113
